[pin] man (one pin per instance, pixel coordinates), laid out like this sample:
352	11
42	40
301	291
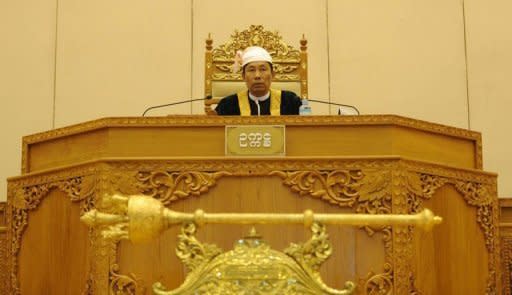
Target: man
259	98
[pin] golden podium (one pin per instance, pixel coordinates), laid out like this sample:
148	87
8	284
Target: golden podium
378	164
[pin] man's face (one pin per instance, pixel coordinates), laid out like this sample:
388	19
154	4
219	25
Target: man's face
258	77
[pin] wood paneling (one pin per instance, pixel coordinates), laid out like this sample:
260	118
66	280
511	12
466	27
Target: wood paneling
387	176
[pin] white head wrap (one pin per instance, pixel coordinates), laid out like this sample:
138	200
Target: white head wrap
250	54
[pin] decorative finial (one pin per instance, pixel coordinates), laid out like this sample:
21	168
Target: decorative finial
209	42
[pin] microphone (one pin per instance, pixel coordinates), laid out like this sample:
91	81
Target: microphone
336	104
174	103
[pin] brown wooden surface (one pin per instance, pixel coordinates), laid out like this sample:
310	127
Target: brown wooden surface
443	254
184	136
53	255
68	169
355	254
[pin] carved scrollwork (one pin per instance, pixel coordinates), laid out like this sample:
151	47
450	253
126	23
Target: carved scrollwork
421	186
506	263
367	190
227	76
192	252
124	284
171	186
311	254
23	199
286	77
78	189
119	180
381	283
285	69
223	68
413	289
252	267
476	194
256	36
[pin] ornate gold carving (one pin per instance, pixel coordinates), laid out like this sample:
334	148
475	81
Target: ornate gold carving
190	251
481	195
227	76
428	176
143	218
103	253
401	235
24	199
286	77
225	68
115	180
253	267
368	190
285	69
311	254
283	72
256	36
124	284
485	198
506	263
381	283
171	186
197	120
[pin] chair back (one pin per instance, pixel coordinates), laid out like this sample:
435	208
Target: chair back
290	65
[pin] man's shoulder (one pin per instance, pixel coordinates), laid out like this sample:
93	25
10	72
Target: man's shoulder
230	97
228	106
285	94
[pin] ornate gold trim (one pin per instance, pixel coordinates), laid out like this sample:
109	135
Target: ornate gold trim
256	35
368	189
256	167
124	284
23	199
483	196
506	263
381	283
420	179
200	120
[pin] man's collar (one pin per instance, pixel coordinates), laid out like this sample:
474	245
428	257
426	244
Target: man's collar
259	98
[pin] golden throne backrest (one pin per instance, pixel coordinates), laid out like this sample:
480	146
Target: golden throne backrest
290	65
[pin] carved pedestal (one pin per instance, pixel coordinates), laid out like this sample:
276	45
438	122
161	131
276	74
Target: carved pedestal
352	173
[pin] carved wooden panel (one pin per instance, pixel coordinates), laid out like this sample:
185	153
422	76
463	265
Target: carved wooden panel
362	186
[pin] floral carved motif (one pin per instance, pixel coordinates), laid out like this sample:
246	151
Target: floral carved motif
314	252
171	186
191	252
506	263
367	191
381	283
227	76
421	186
23	199
124	284
361	186
256	36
